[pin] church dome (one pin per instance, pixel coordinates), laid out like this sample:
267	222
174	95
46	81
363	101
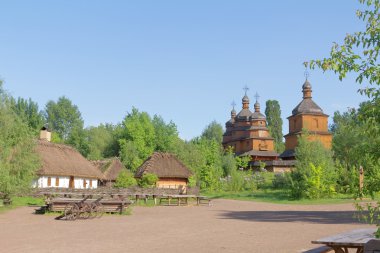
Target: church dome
245	99
306	85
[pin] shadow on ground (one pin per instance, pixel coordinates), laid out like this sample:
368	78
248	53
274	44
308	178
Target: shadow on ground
320	217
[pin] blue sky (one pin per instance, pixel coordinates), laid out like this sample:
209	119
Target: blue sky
184	60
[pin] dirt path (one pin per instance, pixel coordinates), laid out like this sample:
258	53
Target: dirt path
226	226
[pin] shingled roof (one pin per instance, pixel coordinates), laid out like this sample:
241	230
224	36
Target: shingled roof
110	168
164	165
63	160
307	105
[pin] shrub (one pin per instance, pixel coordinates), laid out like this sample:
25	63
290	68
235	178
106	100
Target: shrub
235	182
148	180
280	181
125	180
314	175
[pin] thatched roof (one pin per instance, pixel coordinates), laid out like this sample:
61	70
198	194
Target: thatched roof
63	160
164	165
110	168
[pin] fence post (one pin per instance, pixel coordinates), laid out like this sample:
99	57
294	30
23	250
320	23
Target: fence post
361	180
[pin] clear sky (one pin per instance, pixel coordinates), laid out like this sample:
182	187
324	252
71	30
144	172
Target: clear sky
184	60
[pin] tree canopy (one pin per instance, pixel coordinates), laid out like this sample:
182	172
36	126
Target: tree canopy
273	114
18	160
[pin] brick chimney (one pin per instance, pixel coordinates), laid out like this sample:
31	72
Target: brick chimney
45	134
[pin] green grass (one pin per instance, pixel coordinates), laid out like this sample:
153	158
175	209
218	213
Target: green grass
22	201
278	197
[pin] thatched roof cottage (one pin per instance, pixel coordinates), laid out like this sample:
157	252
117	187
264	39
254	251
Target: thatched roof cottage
63	166
110	168
172	173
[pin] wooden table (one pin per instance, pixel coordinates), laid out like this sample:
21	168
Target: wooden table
354	239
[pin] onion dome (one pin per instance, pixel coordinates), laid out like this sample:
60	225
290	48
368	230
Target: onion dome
306	89
307	105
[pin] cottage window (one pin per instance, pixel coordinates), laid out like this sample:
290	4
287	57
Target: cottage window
57	182
49	181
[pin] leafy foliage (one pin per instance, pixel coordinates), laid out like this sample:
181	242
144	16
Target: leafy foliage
148	180
63	118
314	175
125	179
214	131
18	160
137	140
359	51
101	142
274	120
28	111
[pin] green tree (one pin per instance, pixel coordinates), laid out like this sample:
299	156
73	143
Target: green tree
18	160
273	114
101	142
148	180
314	175
125	179
214	131
166	134
359	51
137	140
64	118
29	112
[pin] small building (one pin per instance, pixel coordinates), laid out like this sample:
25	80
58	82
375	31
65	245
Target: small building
247	133
307	115
110	168
171	172
63	166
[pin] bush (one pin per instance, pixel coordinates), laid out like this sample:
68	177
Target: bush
125	180
314	175
148	180
235	182
280	181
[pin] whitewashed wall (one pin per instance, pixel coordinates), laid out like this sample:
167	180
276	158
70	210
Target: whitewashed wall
42	182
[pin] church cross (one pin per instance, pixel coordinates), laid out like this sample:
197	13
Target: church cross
246	89
233	104
257	96
307	74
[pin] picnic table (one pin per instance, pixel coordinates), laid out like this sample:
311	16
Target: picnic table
355	239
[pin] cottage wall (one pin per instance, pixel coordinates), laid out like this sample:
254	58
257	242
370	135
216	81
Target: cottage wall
63	182
172	183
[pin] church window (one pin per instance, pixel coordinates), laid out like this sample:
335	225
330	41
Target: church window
316	123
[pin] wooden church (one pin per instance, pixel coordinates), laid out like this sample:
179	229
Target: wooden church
307	115
247	133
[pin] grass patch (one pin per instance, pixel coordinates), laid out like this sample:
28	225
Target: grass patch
22	201
278	197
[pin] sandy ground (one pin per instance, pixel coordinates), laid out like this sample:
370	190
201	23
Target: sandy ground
226	226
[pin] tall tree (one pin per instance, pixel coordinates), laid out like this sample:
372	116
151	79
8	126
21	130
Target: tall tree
64	118
166	134
137	137
18	160
101	142
28	111
358	54
214	131
273	114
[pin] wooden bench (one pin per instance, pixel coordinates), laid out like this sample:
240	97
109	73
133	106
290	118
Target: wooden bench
203	200
110	206
322	249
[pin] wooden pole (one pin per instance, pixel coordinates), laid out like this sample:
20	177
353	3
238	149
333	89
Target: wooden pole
361	180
